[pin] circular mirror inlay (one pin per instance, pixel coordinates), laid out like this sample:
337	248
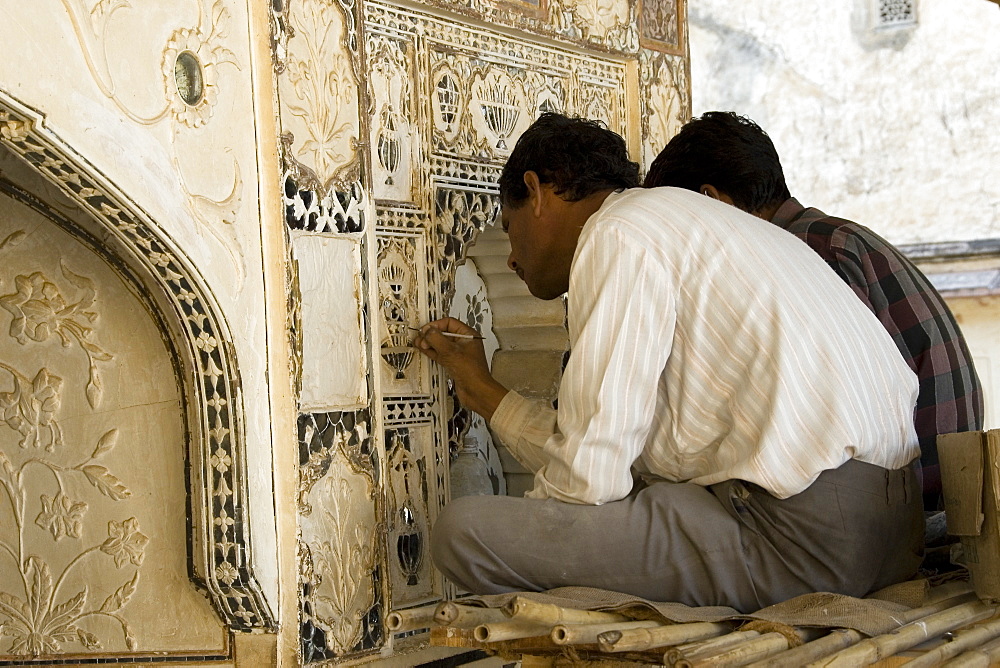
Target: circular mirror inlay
187	76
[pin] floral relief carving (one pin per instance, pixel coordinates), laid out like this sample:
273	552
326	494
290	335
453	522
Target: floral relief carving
28	409
215	370
319	92
665	103
339	547
598	18
662	25
394	137
202	49
401	310
41	311
483	89
206	44
42	618
91	25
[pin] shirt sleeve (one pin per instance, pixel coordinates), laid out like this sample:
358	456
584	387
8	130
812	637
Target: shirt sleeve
524	426
621	324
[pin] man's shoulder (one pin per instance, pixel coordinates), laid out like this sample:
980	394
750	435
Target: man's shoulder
840	234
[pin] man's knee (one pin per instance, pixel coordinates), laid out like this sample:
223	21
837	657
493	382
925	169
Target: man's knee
454	534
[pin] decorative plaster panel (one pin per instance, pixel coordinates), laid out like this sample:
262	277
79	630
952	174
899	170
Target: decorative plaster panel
158	97
334	366
410	509
665	100
340	558
662	25
402	284
223	553
318	91
89	549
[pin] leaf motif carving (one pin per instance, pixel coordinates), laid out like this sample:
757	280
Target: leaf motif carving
94	390
15	608
60	618
88	640
13	239
105	444
129	637
96	352
105	482
121	597
41	587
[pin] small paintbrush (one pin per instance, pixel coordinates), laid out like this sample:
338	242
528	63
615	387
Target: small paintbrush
453	335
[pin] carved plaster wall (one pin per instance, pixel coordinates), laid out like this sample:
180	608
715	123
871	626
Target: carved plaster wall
92	563
400	183
135	143
134	127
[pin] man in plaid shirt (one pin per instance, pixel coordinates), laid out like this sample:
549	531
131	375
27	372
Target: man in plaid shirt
730	158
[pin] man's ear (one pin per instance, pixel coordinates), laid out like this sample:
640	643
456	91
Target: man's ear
711	191
535	193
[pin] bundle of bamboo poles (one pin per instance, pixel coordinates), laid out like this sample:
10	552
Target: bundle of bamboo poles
966	632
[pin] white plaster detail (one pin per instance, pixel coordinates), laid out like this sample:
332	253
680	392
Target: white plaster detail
333	357
318	92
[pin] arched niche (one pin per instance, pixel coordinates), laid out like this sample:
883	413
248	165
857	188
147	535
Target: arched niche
195	337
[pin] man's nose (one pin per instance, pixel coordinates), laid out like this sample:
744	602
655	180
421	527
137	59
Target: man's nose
511	263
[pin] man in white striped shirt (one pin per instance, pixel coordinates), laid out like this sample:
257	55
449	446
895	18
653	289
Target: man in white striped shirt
734	426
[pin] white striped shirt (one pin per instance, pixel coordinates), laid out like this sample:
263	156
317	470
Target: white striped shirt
708	344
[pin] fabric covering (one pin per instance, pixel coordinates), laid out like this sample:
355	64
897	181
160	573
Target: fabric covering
874	615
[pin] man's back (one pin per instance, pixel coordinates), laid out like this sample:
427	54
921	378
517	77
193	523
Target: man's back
915	315
775	372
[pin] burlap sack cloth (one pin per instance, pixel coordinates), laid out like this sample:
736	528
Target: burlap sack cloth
874	615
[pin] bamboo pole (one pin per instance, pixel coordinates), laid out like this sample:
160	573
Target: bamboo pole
410	619
673	634
802	655
947	591
839	639
696	650
511	629
454	614
743	653
522	608
963	640
586	634
984	656
868	651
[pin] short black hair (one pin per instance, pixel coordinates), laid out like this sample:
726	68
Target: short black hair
725	150
578	156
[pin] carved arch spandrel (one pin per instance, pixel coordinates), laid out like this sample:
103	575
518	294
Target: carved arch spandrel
222	558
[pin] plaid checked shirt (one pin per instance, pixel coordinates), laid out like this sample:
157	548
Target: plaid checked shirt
913	312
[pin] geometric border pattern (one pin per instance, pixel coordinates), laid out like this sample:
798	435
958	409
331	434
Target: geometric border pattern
226	561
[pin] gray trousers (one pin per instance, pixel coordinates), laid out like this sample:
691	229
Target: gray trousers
856	529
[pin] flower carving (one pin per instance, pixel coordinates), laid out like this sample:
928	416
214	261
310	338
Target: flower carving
41	311
61	515
125	542
38	308
226	573
30	407
190	68
221	461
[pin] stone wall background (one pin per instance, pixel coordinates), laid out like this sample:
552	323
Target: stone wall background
894	128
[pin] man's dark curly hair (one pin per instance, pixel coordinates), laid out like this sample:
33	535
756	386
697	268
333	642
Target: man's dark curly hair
579	157
727	151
